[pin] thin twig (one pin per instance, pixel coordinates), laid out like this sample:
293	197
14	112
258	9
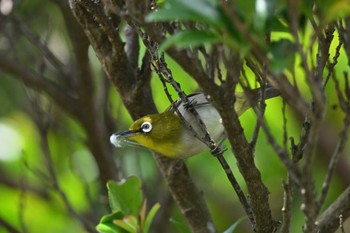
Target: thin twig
287	205
43	127
343	136
283	156
333	162
287	185
215	150
22	201
35	40
165	76
334	62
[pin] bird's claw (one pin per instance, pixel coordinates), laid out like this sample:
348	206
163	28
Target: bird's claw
218	150
189	103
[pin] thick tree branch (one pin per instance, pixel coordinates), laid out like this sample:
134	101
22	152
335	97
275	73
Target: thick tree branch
258	193
191	64
85	87
137	98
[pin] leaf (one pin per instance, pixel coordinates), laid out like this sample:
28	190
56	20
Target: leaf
128	223
204	11
150	217
164	14
282	55
106	224
201	11
234	226
125	196
189	38
203	8
339	9
275	25
110	217
143	213
109	228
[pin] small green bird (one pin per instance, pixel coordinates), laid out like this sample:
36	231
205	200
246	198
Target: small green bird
166	134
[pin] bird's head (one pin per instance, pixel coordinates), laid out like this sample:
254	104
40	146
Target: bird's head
158	132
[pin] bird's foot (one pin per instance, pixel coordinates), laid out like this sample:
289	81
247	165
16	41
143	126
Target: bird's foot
218	150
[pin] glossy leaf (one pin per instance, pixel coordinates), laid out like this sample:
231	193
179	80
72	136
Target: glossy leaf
204	11
125	196
128	223
189	38
106	224
109	228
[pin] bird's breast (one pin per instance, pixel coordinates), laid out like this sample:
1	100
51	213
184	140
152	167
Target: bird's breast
212	120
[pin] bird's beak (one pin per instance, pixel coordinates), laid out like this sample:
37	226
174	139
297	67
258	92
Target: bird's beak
122	139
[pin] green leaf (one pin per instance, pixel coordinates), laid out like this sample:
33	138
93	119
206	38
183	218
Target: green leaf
234	226
339	9
275	25
125	196
201	11
109	228
307	7
128	223
164	14
282	55
150	217
189	38
204	11
203	8
110	217
106	224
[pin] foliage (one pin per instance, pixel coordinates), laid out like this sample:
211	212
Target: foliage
128	213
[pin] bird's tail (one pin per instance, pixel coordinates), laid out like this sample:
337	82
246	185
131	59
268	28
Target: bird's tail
250	98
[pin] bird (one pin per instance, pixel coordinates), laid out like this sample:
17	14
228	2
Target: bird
167	134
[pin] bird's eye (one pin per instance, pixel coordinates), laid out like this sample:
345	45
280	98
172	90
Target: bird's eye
146	127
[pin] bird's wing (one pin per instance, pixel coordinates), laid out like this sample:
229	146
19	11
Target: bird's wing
195	99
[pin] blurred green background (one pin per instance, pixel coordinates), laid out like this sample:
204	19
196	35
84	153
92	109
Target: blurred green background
30	204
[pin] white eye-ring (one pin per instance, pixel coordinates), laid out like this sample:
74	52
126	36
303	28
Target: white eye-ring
146	127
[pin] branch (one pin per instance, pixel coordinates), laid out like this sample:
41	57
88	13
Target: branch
136	96
8	226
329	220
259	193
85	86
40	119
39	83
287	205
333	162
203	134
108	46
186	194
35	40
